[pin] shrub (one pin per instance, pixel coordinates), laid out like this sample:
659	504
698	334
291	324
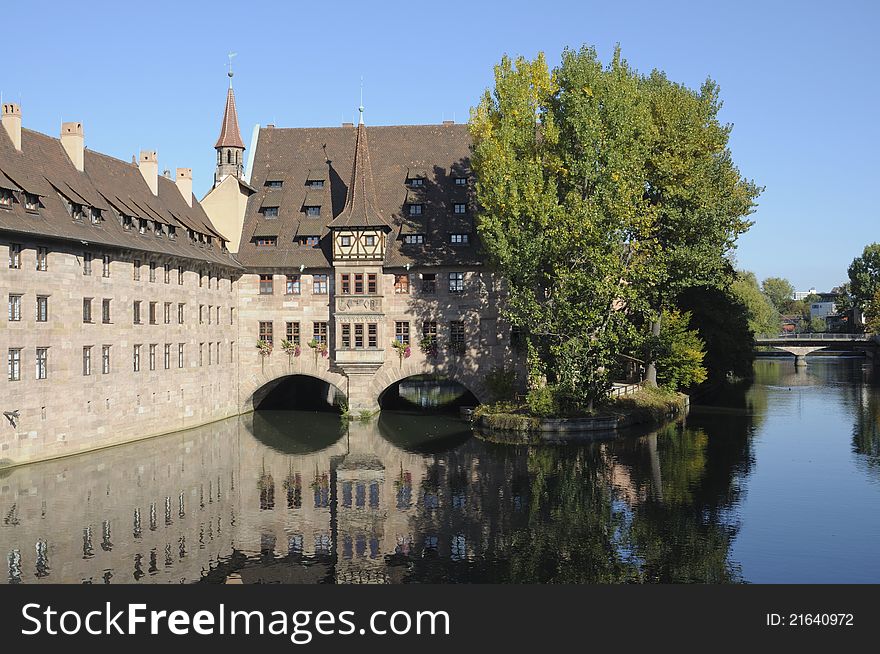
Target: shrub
542	402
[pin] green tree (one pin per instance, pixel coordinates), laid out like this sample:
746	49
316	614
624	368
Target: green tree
817	325
864	275
779	291
872	314
681	353
763	317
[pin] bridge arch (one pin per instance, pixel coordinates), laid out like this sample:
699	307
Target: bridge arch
391	375
255	388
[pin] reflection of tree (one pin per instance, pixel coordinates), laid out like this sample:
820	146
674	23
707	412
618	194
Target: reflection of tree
866	433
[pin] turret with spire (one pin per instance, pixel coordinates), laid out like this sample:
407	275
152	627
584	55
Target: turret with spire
229	146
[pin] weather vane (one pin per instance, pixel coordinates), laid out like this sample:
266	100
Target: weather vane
229	72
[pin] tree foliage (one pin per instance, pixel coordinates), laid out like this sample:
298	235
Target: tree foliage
604	194
779	291
763	316
681	353
864	276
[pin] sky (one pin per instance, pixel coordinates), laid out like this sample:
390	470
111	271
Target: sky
798	80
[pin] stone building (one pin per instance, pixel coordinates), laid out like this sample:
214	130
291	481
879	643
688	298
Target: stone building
348	254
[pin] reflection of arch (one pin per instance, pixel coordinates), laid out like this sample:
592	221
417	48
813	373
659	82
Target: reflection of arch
294	432
390	375
255	387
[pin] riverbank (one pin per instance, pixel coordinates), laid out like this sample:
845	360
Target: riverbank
649	407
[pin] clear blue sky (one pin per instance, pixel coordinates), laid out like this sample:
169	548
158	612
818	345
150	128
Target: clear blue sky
799	82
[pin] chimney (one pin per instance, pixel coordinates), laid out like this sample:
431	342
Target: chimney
184	181
72	139
148	164
12	123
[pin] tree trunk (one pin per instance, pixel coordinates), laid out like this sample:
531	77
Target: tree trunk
650	364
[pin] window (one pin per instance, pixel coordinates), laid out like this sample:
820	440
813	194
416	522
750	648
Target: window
87	309
456	282
152	271
136	358
105	359
266	285
31	202
345	284
293	332
6	198
319	332
319	284
42	367
210	356
459	239
401	284
153	356
201	314
142	225
416	181
105	259
209	314
415	210
87	360
87	263
456	331
167	273
180	356
167	356
345	241
429	283
310	241
201	354
94	215
313	211
371	283
414	239
270	212
76	211
167	313
105	310
401	332
359	284
180	312
42	308
461	181
14	363
266	332
429	331
136	270
292	285
274	183
266	241
315	183
359	335
152	313
126	221
372	335
15	307
370	240
180	275
231	315
345	336
459	208
42	258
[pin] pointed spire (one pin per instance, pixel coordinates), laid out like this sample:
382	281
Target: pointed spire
230	137
361	203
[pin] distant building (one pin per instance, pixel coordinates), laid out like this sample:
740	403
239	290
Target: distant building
801	295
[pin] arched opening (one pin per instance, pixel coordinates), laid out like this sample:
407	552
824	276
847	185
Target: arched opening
427	393
300	393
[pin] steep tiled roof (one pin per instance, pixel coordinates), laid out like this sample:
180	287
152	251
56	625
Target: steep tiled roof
296	155
42	168
361	206
230	137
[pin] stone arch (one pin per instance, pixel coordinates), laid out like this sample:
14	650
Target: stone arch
255	387
389	375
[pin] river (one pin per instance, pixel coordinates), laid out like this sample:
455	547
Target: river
777	480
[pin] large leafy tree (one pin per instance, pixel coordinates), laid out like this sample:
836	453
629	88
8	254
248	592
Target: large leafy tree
864	275
603	195
779	291
763	316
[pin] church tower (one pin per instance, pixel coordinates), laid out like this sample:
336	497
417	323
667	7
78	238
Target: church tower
229	146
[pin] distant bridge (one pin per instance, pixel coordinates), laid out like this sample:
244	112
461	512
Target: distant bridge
800	345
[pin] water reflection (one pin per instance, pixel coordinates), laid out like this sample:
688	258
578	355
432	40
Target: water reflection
298	497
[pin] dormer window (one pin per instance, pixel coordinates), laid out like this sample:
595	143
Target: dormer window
313	212
172	232
274	183
414	239
345	241
126	221
142	225
31	202
415	210
192	234
370	239
269	212
6	198
76	211
310	241
416	181
461	181
160	231
266	241
315	183
459	239
95	216
459	208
